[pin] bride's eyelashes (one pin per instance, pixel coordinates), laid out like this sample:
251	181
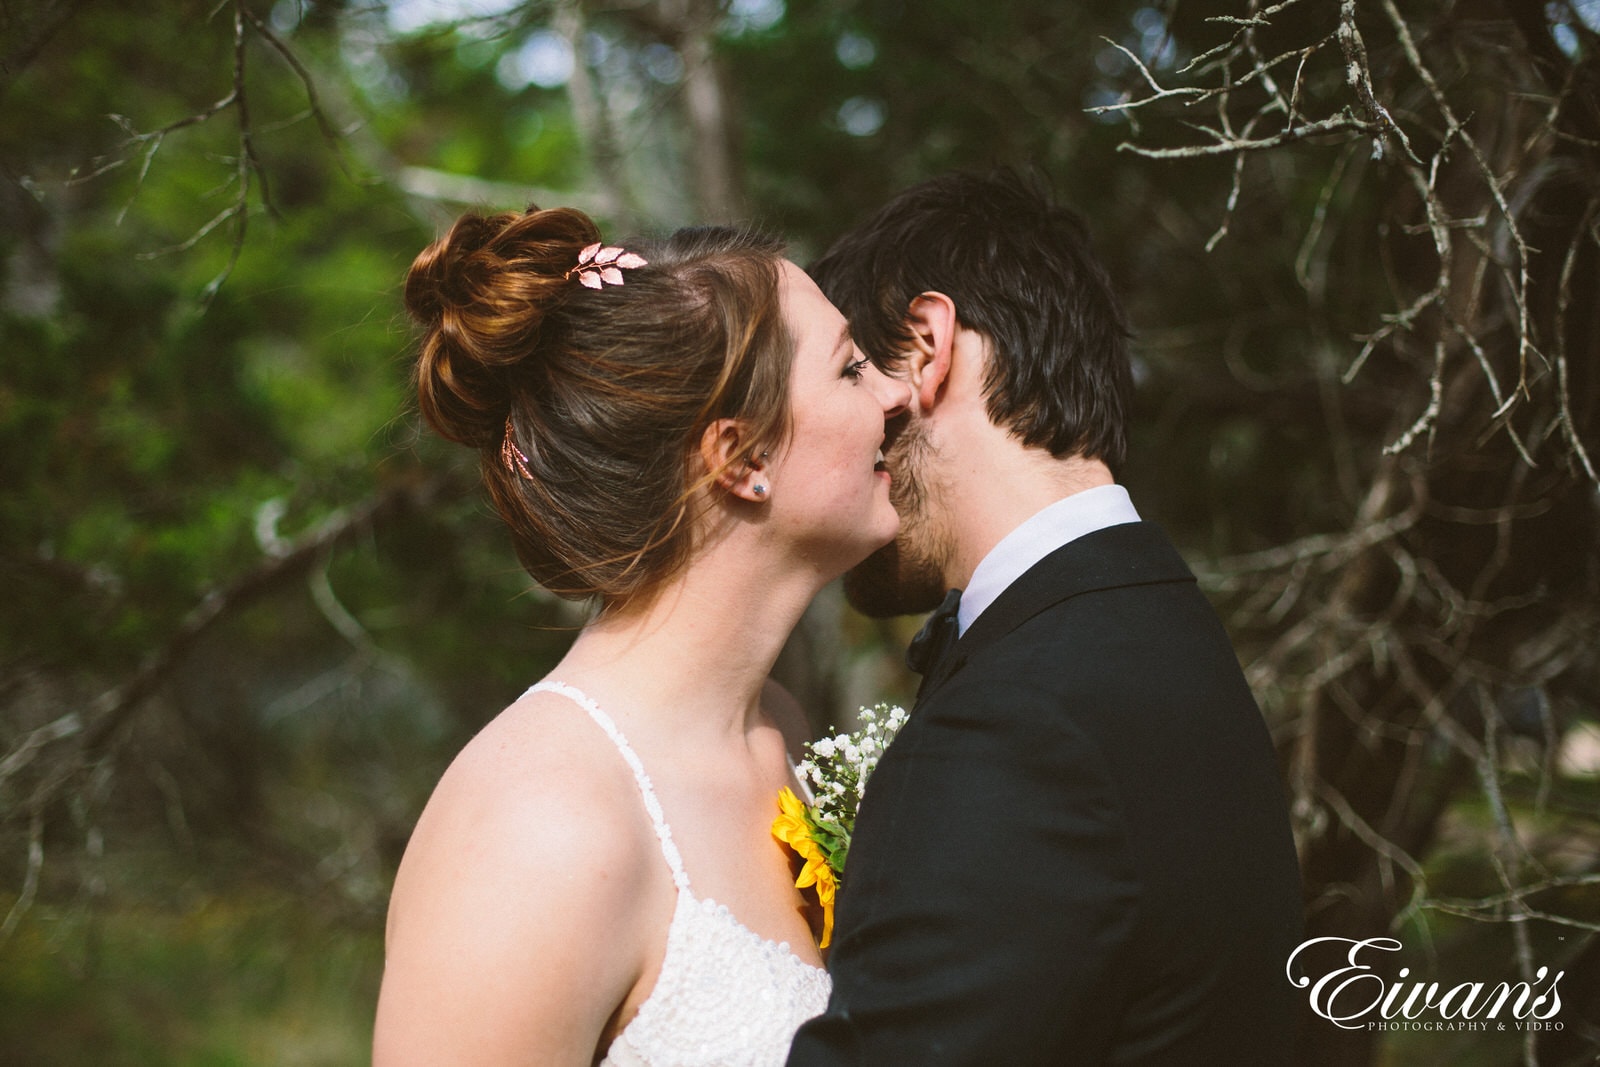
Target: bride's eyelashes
855	368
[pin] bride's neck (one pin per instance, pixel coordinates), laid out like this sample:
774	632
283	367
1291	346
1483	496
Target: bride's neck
699	650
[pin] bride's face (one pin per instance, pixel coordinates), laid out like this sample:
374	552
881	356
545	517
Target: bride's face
829	479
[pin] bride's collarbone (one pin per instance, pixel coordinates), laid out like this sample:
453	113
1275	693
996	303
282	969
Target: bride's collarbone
718	802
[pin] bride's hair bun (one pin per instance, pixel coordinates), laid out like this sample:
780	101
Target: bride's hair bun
587	396
482	292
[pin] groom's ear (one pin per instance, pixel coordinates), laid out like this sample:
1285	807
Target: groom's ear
931	321
726	450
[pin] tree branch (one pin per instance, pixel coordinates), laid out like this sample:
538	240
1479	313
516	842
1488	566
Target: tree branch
97	726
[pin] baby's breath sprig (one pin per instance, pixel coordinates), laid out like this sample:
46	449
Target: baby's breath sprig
836	770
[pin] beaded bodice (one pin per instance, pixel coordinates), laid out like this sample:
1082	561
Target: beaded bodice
725	996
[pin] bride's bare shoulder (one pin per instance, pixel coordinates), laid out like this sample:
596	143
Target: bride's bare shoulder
541	773
540	789
526	867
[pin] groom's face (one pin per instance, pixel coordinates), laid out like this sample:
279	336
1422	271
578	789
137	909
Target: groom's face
906	576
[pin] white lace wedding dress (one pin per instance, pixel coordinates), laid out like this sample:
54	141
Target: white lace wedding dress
725	996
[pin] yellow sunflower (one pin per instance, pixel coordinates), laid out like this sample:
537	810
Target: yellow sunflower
793	828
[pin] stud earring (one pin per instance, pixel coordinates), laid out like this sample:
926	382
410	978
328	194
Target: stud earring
759	490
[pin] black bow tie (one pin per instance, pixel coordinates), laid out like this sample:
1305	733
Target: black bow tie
937	636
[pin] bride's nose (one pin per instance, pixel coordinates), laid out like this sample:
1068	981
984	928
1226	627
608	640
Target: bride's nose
892	393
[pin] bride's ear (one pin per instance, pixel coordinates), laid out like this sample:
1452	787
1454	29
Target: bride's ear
735	464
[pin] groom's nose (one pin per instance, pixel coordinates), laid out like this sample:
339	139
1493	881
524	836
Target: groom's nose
893	394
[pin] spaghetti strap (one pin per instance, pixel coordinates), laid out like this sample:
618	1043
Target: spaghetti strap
669	848
723	994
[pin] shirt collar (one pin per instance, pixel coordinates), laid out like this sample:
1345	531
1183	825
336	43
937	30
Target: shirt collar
1066	520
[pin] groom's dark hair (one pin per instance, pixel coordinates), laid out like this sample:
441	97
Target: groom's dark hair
1020	271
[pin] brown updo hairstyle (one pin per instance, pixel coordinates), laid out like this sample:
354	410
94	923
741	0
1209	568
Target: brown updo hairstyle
607	391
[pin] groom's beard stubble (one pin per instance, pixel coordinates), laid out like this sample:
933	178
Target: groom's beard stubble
903	577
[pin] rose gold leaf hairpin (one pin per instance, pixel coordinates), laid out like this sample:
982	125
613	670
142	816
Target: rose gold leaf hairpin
514	458
601	265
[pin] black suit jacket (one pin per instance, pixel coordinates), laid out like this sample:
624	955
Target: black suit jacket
1077	851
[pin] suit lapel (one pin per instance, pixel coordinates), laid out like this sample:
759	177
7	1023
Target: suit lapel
1114	557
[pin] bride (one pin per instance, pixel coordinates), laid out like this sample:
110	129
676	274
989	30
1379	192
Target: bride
685	434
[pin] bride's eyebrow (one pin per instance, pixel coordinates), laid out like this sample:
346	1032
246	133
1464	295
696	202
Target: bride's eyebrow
843	340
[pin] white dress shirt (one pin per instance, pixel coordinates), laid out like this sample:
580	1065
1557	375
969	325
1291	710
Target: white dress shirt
1066	520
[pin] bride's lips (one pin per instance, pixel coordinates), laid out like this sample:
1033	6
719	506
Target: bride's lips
879	465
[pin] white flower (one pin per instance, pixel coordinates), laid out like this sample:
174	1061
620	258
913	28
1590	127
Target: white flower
840	764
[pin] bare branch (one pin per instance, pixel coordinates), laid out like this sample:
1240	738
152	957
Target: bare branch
1430	414
1335	124
1157	92
97	725
30	880
317	111
1390	853
1582	233
1357	74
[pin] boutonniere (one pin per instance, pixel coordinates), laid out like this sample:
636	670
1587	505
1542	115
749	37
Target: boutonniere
836	769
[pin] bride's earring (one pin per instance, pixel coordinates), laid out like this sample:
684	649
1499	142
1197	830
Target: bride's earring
759	489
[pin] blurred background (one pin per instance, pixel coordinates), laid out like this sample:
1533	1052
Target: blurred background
249	609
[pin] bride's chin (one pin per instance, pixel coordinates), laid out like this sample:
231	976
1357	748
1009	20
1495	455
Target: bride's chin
887	529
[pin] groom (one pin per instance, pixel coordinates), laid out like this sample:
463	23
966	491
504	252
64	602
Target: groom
1077	851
